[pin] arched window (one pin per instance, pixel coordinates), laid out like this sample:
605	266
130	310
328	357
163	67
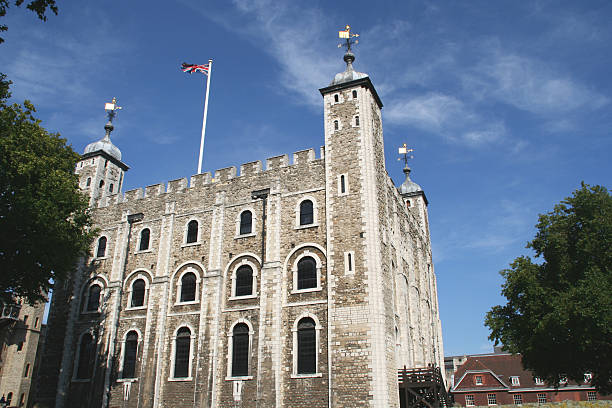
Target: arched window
86	357
342	184
93	298
9	398
306	212
336	98
192	231
182	353
307	273
336	125
101	252
246	222
130	351
240	350
110	188
188	287
88	183
145	236
306	347
354	94
138	293
356	120
27	371
244	281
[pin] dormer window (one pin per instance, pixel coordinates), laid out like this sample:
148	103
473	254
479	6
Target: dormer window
478	380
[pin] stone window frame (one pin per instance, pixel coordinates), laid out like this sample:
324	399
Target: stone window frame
333	125
469	400
97	247
354	94
230	349
517	399
294	271
355	122
315	213
150	248
346	185
133	277
294	349
254	220
75	365
491	399
179	284
337	95
255	268
122	354
192	338
349	262
96	280
198	241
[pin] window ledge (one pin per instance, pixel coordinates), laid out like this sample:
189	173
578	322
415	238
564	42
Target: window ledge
136	308
239	378
191	302
180	379
101	258
144	251
243	297
127	380
251	234
91	312
313	375
81	380
296	291
190	244
298	227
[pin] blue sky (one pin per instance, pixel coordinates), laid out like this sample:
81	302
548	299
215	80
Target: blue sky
506	103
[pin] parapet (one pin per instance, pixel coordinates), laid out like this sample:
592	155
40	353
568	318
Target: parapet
253	167
303	156
201	179
132	195
154	190
226	173
277	162
177	185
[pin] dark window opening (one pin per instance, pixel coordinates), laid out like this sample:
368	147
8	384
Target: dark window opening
101	252
246	222
101	183
105	163
88	183
307	273
350	262
306	212
21	399
110	188
93	298
188	287
244	281
240	350
20	346
9	398
129	356
192	231
145	236
342	185
408	204
356	120
307	344
181	357
25	319
36	323
354	94
138	293
27	370
86	357
336	99
336	125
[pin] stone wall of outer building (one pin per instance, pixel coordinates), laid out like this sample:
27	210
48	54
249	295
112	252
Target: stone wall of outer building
21	340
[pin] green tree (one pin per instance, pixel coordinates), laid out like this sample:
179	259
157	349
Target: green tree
559	310
37	6
44	218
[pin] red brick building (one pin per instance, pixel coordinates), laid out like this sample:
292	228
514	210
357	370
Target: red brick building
500	379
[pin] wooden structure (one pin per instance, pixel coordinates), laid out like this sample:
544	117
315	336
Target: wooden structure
422	388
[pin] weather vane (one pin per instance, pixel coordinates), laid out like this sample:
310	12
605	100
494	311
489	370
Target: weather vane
404	150
346	33
111	109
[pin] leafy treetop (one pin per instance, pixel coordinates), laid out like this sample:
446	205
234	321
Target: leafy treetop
37	6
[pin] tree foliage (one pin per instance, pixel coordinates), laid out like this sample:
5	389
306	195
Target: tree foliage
37	6
559	310
44	218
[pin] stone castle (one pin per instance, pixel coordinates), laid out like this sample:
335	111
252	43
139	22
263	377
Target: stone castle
302	284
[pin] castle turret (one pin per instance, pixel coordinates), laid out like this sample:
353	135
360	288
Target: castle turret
101	169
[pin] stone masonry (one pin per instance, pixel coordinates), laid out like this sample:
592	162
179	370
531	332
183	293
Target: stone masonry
374	305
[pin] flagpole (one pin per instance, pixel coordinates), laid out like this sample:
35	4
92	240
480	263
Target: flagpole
205	114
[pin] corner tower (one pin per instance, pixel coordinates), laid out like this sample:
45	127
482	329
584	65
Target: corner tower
361	308
100	169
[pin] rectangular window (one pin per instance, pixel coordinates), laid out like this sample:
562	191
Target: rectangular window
478	380
25	320
491	399
518	399
541	398
515	381
20	346
21	399
591	396
538	381
349	262
469	400
36	323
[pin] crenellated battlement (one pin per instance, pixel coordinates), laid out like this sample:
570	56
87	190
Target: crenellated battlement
274	163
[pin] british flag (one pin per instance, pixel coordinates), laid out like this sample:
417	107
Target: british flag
191	68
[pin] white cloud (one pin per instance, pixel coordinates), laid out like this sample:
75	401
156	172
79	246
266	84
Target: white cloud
431	112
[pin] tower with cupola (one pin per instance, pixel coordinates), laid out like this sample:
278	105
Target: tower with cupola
100	169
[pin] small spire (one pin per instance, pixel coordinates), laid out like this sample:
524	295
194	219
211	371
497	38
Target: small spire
110	108
408	186
350	37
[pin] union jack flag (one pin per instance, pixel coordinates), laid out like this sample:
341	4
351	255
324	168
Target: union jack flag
191	68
